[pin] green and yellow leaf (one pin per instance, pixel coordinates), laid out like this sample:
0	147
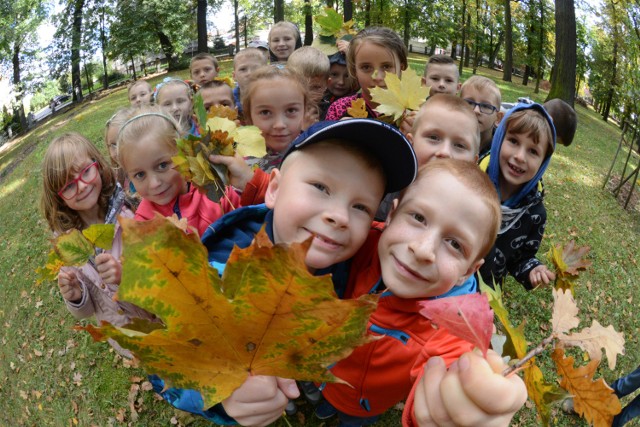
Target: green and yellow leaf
100	235
542	392
73	248
267	315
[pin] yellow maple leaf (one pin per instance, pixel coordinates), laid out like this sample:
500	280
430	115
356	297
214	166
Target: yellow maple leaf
358	109
406	93
593	400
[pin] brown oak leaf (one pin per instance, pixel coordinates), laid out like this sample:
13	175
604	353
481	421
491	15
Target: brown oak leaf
595	337
564	316
593	399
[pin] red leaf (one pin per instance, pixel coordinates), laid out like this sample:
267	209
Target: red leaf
466	316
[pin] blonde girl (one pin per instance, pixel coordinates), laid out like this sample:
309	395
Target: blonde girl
146	144
284	38
111	130
79	190
175	97
372	53
140	93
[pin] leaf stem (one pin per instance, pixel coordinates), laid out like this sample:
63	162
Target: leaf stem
530	355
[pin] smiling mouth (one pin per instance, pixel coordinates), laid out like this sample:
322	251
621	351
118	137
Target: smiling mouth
407	271
324	241
516	169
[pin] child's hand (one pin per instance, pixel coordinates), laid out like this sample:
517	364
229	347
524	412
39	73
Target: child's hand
109	268
407	123
541	276
260	400
69	285
343	46
239	172
472	392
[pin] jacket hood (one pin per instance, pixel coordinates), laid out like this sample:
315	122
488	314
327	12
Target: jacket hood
494	162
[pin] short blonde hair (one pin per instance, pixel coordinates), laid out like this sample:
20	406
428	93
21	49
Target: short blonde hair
452	103
471	176
309	62
483	84
58	167
250	52
270	73
142	122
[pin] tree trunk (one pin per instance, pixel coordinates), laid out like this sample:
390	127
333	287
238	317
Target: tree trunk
493	54
18	85
103	44
406	24
76	39
278	10
612	83
476	55
563	79
541	48
454	54
133	67
236	19
467	49
463	44
86	75
348	10
367	13
508	43
308	23
167	48
202	26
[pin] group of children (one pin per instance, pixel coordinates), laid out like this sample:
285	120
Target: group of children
447	219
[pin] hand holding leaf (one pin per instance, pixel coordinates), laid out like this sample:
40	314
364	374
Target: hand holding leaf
399	95
267	316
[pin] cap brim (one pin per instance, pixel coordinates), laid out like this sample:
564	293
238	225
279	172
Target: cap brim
386	143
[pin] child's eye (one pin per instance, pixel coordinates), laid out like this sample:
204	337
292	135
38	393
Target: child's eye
460	146
361	207
388	67
419	218
292	110
320	186
264	112
164	165
455	245
365	67
534	152
138	175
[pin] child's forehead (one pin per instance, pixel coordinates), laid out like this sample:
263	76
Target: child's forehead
482	94
449	69
201	62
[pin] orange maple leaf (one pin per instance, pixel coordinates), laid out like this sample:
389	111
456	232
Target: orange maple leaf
267	316
593	399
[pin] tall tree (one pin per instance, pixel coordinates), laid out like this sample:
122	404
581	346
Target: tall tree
202	25
508	42
278	10
563	79
19	20
75	8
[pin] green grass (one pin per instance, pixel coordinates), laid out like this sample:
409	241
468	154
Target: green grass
53	375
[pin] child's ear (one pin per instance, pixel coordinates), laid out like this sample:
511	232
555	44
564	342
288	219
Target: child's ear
472	269
392	212
458	88
423	81
499	117
272	189
410	137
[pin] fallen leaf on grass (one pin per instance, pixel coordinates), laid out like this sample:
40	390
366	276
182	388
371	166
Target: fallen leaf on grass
267	316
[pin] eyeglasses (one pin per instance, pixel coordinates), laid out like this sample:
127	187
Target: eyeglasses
484	108
86	175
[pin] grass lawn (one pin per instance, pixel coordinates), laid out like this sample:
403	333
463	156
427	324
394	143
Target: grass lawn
53	375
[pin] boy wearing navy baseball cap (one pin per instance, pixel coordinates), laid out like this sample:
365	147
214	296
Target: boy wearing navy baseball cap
329	186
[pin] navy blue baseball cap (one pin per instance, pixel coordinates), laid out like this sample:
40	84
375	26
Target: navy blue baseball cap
385	142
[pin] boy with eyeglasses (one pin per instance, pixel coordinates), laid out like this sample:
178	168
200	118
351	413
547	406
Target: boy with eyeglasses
484	97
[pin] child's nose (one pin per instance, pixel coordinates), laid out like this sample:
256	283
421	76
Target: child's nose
336	215
423	248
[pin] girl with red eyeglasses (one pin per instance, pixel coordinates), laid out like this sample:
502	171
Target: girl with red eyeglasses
79	189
